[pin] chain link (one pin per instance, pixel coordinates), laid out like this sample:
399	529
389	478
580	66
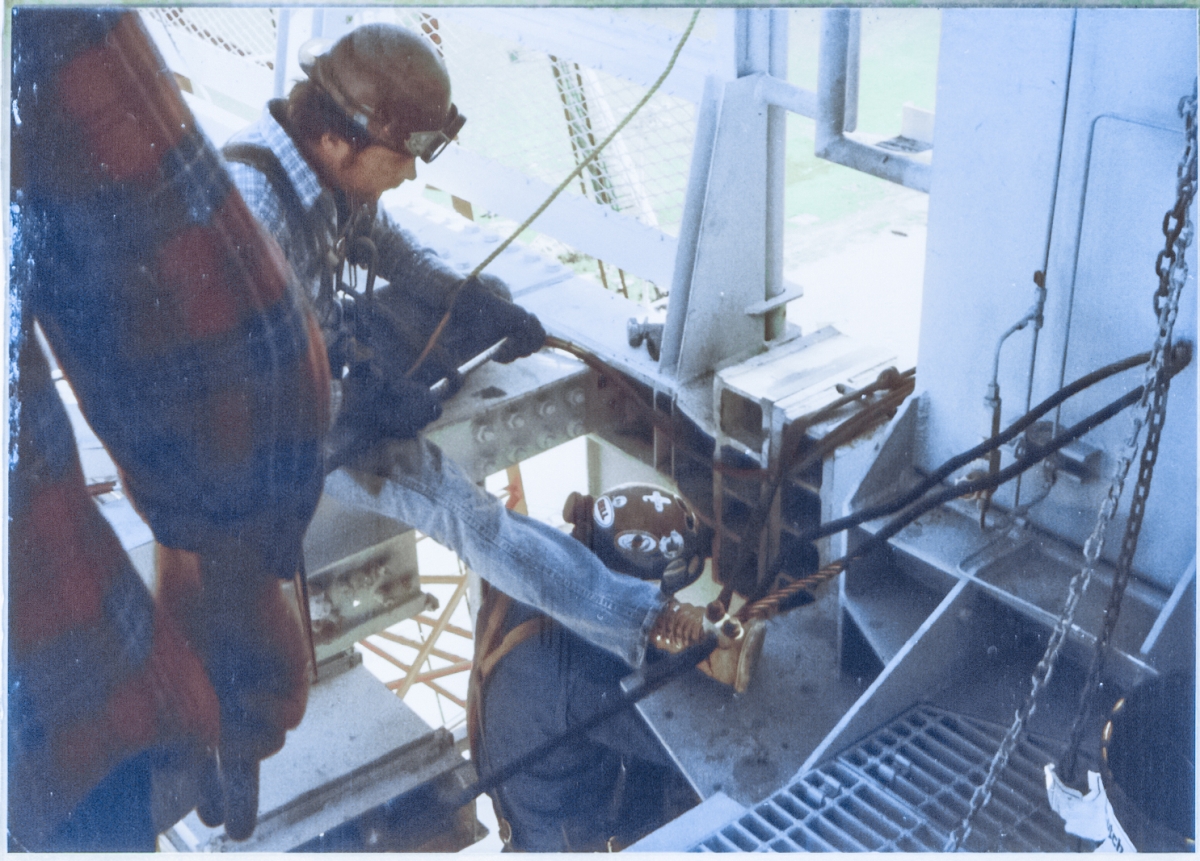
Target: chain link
1150	411
1171	281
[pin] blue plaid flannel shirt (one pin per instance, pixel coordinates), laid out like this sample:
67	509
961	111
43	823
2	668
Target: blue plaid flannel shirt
308	240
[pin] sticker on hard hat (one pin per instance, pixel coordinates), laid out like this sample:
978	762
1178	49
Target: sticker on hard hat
619	501
603	511
657	500
637	541
671	545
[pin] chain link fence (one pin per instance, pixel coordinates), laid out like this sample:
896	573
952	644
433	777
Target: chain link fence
247	33
541	114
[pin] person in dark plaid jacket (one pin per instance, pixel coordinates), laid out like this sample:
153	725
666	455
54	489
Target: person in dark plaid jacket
199	364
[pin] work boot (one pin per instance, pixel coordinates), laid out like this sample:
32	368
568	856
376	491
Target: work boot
738	643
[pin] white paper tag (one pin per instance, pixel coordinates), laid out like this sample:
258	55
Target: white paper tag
1090	816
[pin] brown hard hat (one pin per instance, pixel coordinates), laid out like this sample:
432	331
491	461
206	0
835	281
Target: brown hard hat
388	80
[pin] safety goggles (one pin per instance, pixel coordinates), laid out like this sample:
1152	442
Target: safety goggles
429	145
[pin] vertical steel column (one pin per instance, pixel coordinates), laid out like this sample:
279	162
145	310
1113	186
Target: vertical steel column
730	276
689	227
775	321
761	43
831	78
752	41
853	53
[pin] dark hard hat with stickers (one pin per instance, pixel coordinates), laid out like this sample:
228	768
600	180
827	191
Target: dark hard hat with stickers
642	530
391	84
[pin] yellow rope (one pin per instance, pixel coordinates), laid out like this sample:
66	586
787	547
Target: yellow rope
594	153
562	185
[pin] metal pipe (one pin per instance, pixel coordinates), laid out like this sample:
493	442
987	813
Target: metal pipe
853	52
1039	278
689	226
832	142
773	91
752	28
992	400
1034	313
775	321
894	167
831	79
282	30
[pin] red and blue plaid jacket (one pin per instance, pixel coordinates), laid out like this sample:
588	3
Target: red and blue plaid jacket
195	359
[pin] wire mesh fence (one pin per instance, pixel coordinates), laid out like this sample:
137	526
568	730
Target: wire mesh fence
250	33
541	114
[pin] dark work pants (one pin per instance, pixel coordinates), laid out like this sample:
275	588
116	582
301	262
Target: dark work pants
617	782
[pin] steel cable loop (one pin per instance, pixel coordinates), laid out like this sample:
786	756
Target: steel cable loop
499	249
896	388
1157	375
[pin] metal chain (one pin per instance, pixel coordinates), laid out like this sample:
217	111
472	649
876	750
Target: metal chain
1172	278
1178	236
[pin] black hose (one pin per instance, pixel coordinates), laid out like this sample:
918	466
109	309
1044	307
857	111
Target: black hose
653	677
1180	358
1034	454
938	475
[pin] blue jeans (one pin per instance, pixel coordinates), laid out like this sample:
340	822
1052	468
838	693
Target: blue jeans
414	482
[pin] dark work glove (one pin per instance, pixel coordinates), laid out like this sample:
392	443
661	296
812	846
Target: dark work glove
487	317
374	408
392	333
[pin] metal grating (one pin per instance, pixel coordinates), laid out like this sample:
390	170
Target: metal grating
906	788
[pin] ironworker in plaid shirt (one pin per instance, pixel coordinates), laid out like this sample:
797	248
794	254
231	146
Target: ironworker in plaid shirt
312	170
200	366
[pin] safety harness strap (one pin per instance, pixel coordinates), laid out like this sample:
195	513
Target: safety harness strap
490	621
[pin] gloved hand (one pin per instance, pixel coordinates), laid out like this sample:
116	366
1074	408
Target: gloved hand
374	408
391	333
488	317
254	651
